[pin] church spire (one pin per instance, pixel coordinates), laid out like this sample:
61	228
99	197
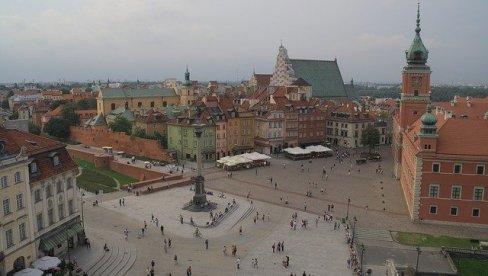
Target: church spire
418	29
187	77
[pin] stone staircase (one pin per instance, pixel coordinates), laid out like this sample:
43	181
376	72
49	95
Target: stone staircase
373	234
117	261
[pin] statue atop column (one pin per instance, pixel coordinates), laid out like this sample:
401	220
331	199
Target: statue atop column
200	198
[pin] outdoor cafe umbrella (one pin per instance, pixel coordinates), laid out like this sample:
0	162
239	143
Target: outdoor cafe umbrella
29	272
46	263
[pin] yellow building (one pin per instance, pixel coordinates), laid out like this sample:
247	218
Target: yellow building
137	100
17	243
240	130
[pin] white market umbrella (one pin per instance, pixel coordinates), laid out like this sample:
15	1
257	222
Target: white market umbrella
46	263
29	272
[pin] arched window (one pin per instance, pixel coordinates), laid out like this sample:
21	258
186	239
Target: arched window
112	106
165	104
126	105
152	104
139	104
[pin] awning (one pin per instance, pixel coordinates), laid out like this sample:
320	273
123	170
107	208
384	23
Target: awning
59	236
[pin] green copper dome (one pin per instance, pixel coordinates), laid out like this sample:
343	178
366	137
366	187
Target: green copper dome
428	122
417	53
428	119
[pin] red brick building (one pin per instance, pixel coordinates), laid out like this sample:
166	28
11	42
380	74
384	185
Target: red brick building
440	155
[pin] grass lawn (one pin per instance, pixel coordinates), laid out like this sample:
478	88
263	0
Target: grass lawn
123	179
471	267
418	239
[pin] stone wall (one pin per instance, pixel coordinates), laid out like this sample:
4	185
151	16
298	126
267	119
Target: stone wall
106	162
120	141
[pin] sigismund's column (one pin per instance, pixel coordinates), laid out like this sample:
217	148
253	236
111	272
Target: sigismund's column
200	198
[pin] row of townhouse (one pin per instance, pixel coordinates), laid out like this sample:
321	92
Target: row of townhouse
40	201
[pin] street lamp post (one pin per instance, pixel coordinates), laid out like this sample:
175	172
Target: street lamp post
354	229
362	254
348	202
82	203
67	246
418	257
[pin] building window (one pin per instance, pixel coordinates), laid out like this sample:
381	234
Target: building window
480	169
50	216
434	191
6	207
39	222
48	191
4	181
436	167
59	187
69	183
479	193
17	178
56	161
139	104
152	104
61	211
37	195
9	236
433	209
33	168
454	211
415	92
112	106
457	168
165	104
475	212
456	192
22	235
71	205
20	201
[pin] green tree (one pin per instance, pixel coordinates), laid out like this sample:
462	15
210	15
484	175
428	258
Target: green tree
14	116
57	127
121	124
5	104
139	132
34	129
57	103
370	137
90	103
68	113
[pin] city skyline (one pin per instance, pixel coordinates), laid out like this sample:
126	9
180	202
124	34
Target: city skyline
148	40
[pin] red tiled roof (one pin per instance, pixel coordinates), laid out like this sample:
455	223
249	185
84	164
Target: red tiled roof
263	79
472	107
38	148
55	112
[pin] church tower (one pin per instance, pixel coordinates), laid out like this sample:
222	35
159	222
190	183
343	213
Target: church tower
415	81
415	94
185	91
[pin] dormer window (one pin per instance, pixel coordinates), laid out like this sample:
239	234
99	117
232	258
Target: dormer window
55	159
33	168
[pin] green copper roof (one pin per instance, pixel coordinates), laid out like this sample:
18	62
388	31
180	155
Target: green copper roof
324	76
137	93
429	121
417	53
98	120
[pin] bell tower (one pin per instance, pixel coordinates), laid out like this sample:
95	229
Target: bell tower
415	80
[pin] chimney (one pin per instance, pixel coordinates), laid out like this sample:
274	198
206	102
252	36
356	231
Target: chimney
453	103
468	103
447	115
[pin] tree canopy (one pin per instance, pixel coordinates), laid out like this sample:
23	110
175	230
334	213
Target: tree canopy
121	124
90	103
34	129
370	137
68	113
57	127
57	103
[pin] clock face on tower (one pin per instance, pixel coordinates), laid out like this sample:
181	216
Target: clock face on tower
416	82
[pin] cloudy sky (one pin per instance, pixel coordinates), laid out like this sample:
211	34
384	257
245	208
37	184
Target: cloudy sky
223	40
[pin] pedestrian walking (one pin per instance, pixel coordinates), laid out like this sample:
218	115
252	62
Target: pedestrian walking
276	185
206	244
240	229
120	202
273	246
225	250
153	264
175	259
238	262
162	230
169	243
283	246
123	201
188	271
305	206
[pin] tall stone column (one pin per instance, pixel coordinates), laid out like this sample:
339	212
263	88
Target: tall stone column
200	197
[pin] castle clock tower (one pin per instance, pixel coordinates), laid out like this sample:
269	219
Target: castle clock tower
415	81
415	94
